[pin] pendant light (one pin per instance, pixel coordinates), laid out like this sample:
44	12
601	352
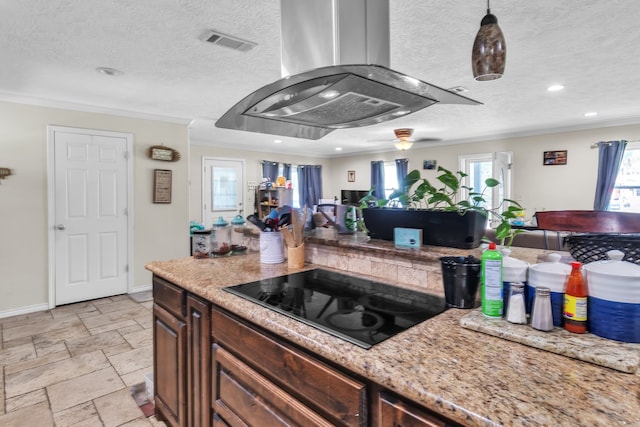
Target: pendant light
489	49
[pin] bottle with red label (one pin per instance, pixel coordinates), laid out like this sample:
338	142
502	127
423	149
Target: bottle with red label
575	301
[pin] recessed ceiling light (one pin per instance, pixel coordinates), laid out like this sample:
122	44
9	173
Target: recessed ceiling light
555	88
109	71
277	141
338	148
590	114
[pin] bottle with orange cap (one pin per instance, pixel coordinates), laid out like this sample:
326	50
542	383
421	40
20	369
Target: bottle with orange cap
575	301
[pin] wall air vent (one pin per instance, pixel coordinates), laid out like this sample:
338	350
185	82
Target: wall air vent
226	40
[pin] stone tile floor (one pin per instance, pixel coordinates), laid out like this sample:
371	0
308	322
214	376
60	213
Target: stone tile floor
73	365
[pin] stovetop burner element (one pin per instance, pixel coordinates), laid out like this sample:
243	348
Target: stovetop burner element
361	311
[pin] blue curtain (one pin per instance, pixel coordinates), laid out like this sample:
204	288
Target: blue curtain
310	184
269	170
609	159
402	168
377	178
286	171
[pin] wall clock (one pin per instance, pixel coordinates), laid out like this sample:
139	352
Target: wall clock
160	152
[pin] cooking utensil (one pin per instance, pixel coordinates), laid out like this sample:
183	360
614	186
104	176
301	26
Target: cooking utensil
284	220
255	221
295	219
288	237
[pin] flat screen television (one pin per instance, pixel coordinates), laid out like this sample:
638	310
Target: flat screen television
352	197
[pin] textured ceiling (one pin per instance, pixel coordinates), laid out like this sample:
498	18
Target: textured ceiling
50	50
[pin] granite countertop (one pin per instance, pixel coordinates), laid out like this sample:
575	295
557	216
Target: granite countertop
467	376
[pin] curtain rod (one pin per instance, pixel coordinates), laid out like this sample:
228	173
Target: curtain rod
597	144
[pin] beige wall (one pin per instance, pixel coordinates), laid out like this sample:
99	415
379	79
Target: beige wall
535	186
160	231
253	172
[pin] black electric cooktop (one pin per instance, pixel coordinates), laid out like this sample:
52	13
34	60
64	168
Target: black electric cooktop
363	312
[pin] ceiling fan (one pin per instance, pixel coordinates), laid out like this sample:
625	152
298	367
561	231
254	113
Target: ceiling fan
404	141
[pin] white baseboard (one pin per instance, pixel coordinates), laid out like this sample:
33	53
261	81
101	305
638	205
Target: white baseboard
142	288
41	307
24	310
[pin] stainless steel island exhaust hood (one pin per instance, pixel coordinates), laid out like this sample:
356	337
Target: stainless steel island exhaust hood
329	44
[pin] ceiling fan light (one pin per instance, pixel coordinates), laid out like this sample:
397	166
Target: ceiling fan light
489	53
403	145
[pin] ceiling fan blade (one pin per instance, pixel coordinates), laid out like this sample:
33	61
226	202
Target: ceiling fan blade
419	140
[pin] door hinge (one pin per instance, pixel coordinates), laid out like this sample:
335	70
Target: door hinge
126	154
126	268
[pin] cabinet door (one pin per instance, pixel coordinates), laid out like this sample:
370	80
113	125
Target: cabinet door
169	366
397	413
198	362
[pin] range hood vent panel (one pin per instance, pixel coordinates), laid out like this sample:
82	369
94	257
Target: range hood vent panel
338	101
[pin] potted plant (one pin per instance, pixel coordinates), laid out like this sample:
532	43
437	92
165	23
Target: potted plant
445	221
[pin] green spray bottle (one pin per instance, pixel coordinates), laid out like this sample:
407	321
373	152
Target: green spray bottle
491	282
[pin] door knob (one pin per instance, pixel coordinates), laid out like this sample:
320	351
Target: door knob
60	227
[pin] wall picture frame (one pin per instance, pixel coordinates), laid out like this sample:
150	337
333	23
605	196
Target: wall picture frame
429	164
162	186
552	158
351	176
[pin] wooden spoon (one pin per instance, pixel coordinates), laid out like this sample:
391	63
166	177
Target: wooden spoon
294	226
288	237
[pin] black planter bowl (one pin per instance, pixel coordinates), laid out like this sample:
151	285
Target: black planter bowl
439	228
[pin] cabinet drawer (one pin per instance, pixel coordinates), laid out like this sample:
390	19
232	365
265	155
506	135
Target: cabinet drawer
170	297
246	397
397	413
319	386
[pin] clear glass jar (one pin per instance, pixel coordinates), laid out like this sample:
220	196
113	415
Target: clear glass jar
220	238
238	244
201	243
516	312
542	316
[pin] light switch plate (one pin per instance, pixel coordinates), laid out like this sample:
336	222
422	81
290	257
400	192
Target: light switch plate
407	237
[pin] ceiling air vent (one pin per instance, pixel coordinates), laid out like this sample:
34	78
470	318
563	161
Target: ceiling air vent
226	40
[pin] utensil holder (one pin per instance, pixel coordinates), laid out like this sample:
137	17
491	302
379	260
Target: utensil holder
271	247
295	257
461	277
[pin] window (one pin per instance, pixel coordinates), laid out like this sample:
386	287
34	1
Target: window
390	178
294	185
295	202
224	188
479	167
626	192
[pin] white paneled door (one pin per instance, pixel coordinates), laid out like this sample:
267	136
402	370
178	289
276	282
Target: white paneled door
90	224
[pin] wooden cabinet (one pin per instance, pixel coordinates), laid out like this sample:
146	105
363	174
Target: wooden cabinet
256	377
182	356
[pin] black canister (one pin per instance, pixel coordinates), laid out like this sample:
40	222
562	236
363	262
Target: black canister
460	277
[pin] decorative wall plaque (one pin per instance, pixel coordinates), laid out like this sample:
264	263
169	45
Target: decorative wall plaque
161	186
160	152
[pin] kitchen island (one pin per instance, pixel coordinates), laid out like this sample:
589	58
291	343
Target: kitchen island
465	376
